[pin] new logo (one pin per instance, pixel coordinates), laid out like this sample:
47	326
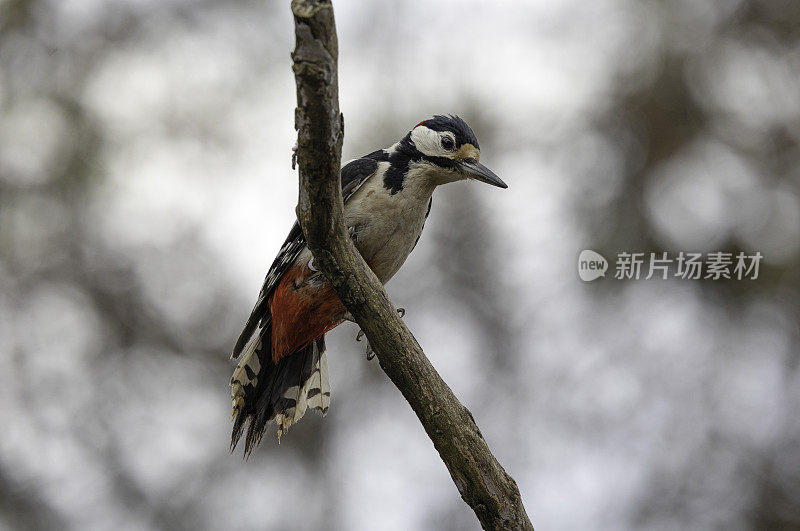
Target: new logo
591	265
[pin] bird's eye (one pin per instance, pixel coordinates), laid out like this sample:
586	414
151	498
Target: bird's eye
448	143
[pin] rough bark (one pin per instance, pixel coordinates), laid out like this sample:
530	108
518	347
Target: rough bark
480	479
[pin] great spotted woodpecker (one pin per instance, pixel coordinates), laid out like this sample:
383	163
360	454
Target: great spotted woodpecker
387	198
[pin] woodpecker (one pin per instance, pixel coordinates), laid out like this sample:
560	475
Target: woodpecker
387	194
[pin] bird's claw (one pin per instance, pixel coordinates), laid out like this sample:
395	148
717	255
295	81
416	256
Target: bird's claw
370	353
360	335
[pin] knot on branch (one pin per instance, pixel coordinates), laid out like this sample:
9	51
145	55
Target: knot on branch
311	59
309	8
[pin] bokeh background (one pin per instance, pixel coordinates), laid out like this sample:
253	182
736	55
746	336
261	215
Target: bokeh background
145	186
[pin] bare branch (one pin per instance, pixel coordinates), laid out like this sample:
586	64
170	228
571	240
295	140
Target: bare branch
480	479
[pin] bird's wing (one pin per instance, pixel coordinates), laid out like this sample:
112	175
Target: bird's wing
260	315
354	174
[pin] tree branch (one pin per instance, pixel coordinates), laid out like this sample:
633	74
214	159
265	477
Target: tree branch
480	479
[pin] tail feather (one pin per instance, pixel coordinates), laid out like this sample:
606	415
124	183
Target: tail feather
262	390
247	381
314	391
319	395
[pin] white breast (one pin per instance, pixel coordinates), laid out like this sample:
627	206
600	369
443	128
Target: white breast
387	226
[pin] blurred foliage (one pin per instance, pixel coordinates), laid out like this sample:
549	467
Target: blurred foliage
144	185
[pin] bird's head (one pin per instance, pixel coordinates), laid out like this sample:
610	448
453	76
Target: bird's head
449	151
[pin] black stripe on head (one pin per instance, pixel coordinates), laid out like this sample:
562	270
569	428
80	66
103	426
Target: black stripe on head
406	151
455	125
443	162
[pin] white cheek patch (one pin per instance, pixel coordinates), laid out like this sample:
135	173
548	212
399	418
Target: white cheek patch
429	142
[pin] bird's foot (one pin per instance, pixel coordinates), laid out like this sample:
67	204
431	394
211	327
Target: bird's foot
360	335
368	350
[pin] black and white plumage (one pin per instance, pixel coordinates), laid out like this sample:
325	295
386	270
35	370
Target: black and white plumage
387	197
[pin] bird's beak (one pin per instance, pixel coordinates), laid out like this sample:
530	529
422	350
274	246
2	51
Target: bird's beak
478	171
